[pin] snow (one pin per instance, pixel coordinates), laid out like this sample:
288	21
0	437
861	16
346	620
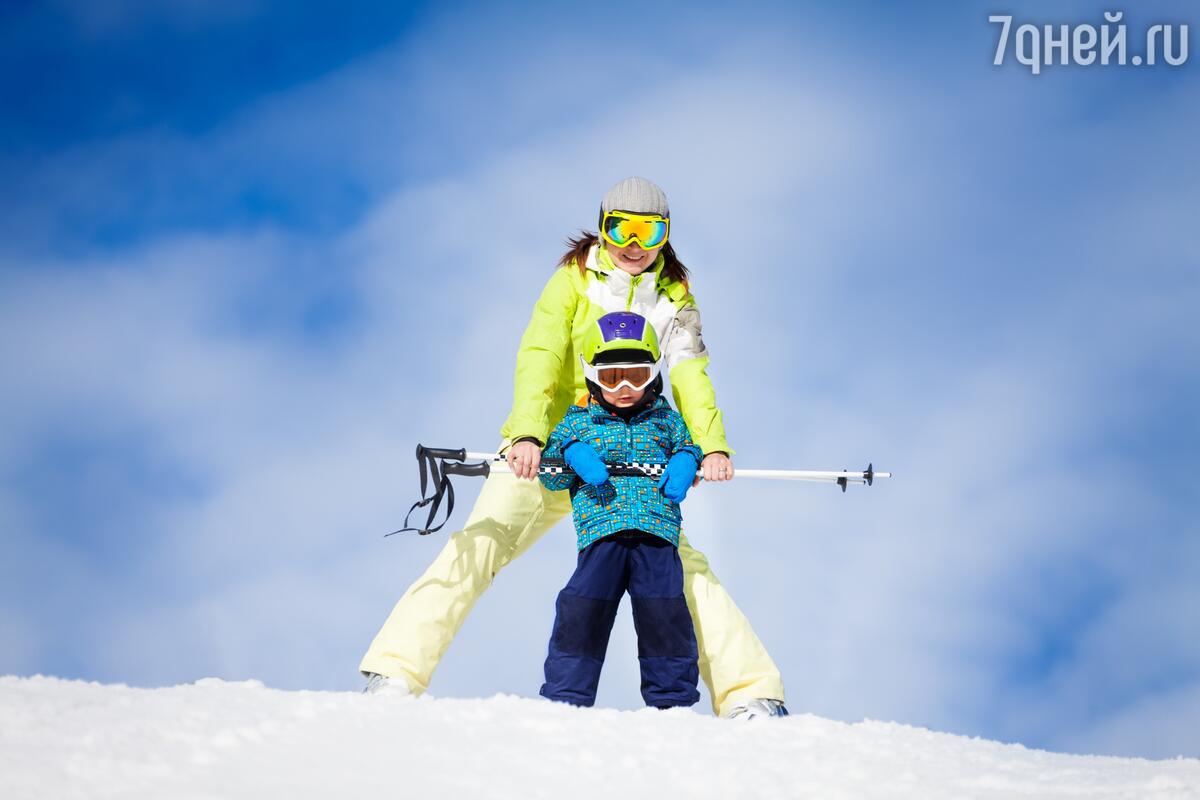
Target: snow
216	739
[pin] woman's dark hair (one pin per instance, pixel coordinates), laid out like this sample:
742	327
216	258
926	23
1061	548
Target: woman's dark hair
578	246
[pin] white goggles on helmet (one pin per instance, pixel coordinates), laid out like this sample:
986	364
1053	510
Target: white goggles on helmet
613	376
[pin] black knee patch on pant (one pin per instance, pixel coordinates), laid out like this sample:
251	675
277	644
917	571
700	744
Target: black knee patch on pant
583	625
664	627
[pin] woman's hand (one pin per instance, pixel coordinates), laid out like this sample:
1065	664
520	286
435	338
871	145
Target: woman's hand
716	467
524	458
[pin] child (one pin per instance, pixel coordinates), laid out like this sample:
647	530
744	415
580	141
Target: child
628	527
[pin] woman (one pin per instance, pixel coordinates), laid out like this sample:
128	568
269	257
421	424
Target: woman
630	266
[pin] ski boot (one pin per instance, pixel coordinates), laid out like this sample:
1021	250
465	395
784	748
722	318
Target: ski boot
384	686
758	707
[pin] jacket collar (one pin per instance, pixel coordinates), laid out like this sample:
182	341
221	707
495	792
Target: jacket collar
600	262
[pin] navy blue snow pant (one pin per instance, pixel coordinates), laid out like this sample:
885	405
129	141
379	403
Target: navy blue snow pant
648	567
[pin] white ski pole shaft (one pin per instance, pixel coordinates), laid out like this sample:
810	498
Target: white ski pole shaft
824	476
809	474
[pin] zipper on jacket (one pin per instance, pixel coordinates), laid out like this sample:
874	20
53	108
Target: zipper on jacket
632	285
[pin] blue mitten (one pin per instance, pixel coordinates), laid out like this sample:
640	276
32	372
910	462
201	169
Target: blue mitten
586	464
678	476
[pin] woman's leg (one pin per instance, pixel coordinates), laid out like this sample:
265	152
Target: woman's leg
509	516
733	662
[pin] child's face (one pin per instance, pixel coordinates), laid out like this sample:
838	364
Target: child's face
623	396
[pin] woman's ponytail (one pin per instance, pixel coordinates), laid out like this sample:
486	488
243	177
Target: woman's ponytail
577	251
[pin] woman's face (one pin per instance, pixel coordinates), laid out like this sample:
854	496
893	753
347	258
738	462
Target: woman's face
632	258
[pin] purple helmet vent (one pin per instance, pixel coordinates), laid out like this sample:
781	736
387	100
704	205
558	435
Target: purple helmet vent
622	325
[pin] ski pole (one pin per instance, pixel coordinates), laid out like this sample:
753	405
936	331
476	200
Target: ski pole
438	464
499	463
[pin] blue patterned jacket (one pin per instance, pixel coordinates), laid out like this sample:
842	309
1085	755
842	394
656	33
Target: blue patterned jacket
653	435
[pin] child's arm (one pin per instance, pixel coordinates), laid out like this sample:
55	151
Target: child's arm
684	458
560	437
681	438
567	445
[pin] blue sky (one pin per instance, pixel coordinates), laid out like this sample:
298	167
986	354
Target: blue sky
250	254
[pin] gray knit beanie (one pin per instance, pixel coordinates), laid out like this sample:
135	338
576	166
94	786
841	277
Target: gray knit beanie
636	195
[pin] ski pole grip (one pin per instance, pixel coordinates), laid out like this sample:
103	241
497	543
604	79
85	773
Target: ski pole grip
441	452
470	470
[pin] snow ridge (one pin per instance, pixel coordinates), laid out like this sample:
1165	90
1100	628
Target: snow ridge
213	738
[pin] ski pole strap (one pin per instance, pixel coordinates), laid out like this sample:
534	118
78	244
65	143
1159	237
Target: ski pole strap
437	465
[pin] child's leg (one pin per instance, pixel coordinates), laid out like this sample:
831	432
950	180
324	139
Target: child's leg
586	608
666	640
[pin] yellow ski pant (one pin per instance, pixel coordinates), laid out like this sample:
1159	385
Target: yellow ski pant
509	516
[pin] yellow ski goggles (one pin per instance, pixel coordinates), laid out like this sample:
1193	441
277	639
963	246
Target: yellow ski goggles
621	228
